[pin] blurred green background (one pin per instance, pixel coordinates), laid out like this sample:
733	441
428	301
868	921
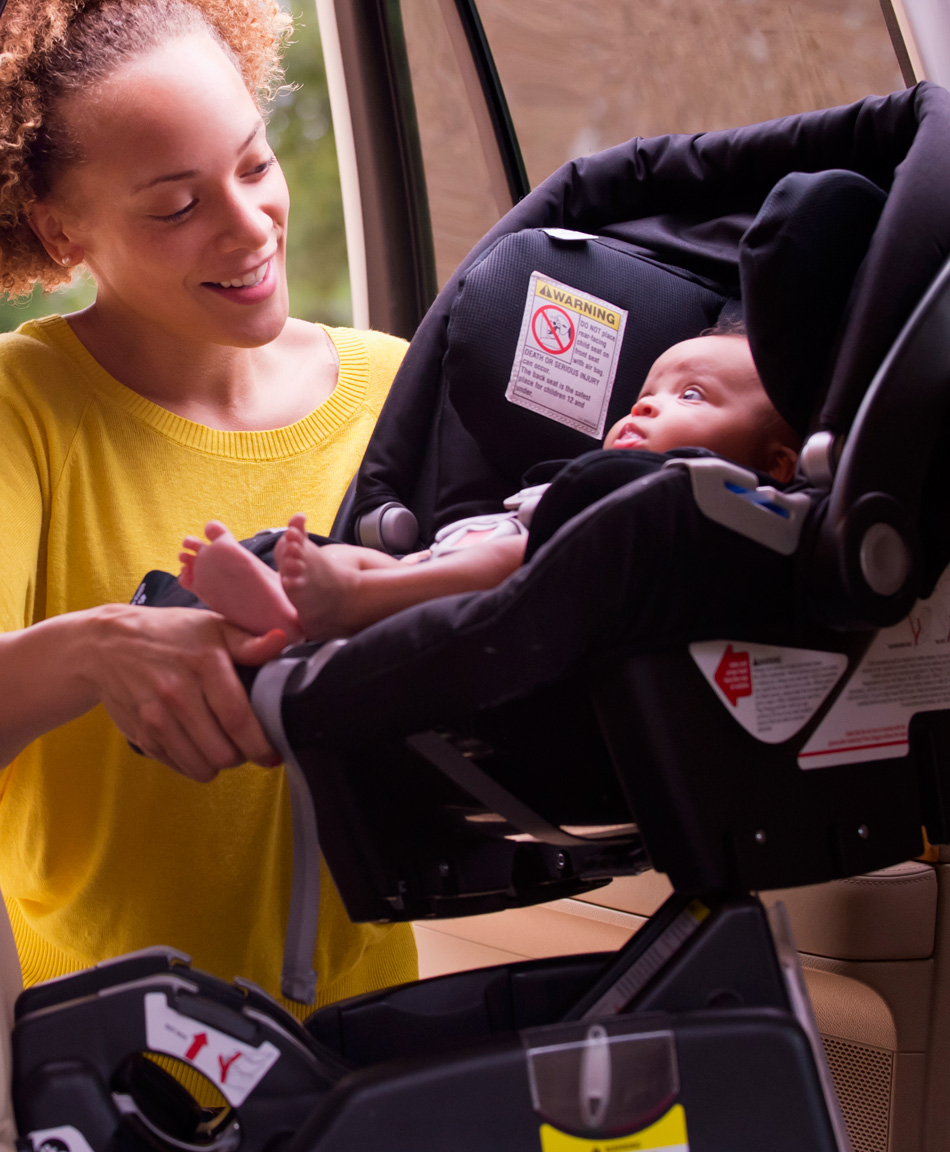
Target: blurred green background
301	134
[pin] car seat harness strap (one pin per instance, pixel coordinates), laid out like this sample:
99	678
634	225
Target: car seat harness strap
298	980
514	521
459	769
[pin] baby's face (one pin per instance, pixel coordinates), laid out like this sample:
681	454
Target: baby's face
702	393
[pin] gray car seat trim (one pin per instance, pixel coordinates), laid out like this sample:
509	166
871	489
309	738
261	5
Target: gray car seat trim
732	496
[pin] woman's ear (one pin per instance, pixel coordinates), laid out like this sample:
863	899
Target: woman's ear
784	460
48	225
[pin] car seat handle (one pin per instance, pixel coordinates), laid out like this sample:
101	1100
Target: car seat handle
868	560
390	528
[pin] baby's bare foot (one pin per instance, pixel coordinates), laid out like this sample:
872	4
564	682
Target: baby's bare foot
316	587
234	582
296	527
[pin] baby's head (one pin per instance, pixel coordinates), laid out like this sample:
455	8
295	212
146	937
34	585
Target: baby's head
706	393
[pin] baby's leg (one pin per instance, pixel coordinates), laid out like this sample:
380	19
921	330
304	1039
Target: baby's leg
234	582
350	555
338	597
317	586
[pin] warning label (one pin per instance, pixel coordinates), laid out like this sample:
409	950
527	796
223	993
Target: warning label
235	1068
567	353
906	670
772	692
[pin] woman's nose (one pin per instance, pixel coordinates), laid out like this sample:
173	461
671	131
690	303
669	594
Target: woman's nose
249	225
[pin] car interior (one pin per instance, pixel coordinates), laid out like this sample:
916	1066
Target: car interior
648	915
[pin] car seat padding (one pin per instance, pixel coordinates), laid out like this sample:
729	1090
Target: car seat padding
665	305
798	262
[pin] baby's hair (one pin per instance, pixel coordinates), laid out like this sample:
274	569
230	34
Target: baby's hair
778	426
727	326
53	49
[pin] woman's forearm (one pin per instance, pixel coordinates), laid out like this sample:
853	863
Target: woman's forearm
43	680
166	677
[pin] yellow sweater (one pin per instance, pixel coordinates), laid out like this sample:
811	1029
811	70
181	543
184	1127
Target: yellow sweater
103	851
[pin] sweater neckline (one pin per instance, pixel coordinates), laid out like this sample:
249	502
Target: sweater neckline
267	444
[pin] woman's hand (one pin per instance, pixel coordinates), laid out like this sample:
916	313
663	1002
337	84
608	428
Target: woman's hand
166	677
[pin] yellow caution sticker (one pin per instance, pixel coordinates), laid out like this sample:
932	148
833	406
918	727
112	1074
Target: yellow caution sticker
580	302
668	1134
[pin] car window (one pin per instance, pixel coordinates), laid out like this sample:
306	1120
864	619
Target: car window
579	78
466	188
300	131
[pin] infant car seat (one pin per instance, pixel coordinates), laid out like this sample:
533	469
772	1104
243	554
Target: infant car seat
498	748
679	206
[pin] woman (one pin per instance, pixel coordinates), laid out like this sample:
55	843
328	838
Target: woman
135	146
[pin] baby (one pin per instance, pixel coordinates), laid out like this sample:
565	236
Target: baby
702	393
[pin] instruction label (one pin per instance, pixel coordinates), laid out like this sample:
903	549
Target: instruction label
772	692
667	1134
233	1067
906	670
566	359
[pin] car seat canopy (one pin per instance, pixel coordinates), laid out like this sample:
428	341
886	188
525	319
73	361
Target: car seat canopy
798	262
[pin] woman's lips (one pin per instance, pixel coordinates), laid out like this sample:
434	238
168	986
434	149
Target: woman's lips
248	293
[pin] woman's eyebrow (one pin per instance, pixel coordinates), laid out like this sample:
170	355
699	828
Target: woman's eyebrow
190	173
170	178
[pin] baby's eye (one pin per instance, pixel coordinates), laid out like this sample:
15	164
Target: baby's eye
692	393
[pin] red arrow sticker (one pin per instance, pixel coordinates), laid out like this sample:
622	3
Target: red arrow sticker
237	1068
734	675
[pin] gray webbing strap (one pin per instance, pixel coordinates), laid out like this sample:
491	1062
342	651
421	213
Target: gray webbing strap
298	979
477	783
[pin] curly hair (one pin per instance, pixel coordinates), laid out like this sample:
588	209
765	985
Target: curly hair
51	49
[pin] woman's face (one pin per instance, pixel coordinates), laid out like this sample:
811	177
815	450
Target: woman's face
177	205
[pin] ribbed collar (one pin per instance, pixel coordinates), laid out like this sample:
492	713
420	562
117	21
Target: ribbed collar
271	444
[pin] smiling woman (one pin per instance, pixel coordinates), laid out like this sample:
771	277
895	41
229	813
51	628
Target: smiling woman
297	115
134	147
166	239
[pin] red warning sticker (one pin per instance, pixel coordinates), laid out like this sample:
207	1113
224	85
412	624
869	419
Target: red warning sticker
734	675
553	329
772	692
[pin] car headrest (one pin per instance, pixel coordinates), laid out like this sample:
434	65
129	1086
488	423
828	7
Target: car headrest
563	335
797	263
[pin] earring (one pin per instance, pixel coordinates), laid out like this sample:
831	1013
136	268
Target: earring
65	261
